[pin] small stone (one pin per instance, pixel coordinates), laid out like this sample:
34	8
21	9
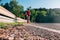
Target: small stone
11	38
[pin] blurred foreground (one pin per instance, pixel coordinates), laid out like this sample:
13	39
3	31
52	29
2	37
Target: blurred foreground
22	32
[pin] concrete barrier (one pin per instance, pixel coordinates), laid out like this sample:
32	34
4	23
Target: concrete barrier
6	12
5	19
6	16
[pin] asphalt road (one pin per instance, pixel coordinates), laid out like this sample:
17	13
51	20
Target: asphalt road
54	27
49	25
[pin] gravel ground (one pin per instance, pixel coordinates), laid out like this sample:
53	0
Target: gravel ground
27	33
18	33
49	35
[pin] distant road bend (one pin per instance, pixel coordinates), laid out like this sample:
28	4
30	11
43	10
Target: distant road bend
54	27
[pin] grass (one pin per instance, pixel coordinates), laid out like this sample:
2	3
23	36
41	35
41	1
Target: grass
2	24
8	25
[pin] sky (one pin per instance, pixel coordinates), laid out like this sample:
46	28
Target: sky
37	3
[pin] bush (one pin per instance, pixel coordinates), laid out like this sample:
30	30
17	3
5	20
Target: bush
1	24
8	25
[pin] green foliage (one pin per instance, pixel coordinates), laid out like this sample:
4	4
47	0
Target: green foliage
7	6
8	25
15	8
41	15
0	2
1	24
33	15
44	13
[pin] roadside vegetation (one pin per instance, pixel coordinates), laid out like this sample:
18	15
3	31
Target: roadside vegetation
8	25
41	15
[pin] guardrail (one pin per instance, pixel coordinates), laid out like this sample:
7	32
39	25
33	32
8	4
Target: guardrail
6	19
6	12
6	16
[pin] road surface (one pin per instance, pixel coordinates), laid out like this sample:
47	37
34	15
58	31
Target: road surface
54	27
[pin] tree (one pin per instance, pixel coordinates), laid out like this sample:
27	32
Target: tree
7	6
14	7
41	17
44	13
0	2
33	15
